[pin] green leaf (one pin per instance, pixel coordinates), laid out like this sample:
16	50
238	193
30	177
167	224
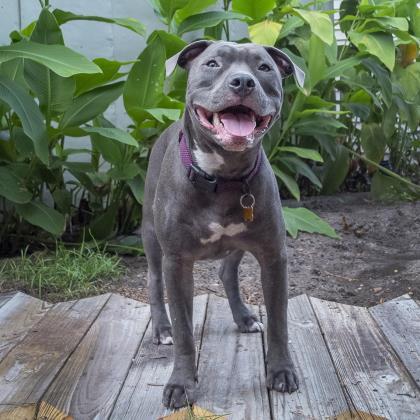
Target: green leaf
297	165
12	186
335	171
58	58
320	23
110	72
292	23
316	63
40	215
301	219
379	44
137	188
193	7
90	104
302	152
373	141
168	8
55	93
255	9
28	112
316	125
113	134
206	20
288	181
160	113
124	172
409	79
128	23
173	43
144	86
265	32
340	67
382	77
103	226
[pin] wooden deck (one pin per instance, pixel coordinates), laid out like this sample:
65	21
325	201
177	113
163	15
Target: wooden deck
94	359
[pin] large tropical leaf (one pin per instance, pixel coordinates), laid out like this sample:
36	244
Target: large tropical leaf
40	215
144	86
320	23
297	165
206	20
193	7
302	152
90	104
28	112
289	182
55	93
128	23
116	134
341	66
379	44
334	171
373	141
12	186
58	58
255	9
167	8
265	32
301	219
110	73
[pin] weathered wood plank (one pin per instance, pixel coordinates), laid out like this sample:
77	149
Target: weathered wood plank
5	297
17	316
399	320
375	381
320	394
27	370
231	373
141	394
90	381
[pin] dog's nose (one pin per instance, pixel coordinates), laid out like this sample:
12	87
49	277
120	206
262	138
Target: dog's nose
242	84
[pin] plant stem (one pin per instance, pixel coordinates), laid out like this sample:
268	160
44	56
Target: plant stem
384	170
296	104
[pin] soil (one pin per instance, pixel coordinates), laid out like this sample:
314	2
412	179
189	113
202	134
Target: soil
376	259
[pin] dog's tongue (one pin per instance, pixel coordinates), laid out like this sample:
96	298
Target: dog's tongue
238	124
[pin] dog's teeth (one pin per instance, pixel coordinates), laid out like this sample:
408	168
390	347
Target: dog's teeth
216	119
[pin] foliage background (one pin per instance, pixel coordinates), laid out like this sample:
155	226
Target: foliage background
358	112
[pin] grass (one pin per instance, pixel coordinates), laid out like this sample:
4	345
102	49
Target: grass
64	274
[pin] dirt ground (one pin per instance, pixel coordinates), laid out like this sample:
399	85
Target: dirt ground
376	259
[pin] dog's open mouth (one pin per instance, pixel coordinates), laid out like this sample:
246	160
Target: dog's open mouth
236	121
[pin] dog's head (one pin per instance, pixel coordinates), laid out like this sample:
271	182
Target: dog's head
234	91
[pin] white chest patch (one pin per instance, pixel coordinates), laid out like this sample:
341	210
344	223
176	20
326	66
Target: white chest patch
208	162
218	231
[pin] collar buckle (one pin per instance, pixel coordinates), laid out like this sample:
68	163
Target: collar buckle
201	179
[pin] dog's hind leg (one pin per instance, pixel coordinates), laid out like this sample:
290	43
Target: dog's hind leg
247	322
162	332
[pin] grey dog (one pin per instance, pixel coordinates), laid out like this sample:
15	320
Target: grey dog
210	193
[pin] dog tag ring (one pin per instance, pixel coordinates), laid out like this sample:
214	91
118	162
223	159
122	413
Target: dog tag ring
247	202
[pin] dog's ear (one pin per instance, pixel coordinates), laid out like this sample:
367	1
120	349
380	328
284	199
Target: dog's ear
186	56
286	65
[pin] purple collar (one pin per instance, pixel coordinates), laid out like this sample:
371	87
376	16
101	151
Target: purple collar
204	181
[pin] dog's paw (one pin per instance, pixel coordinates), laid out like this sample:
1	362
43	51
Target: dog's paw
162	335
178	394
250	324
283	379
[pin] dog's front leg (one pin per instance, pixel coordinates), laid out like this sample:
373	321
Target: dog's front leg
180	389
281	374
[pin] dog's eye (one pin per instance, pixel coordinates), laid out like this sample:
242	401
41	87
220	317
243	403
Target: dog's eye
212	63
264	67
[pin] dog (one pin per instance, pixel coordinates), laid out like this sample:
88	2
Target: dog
210	193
